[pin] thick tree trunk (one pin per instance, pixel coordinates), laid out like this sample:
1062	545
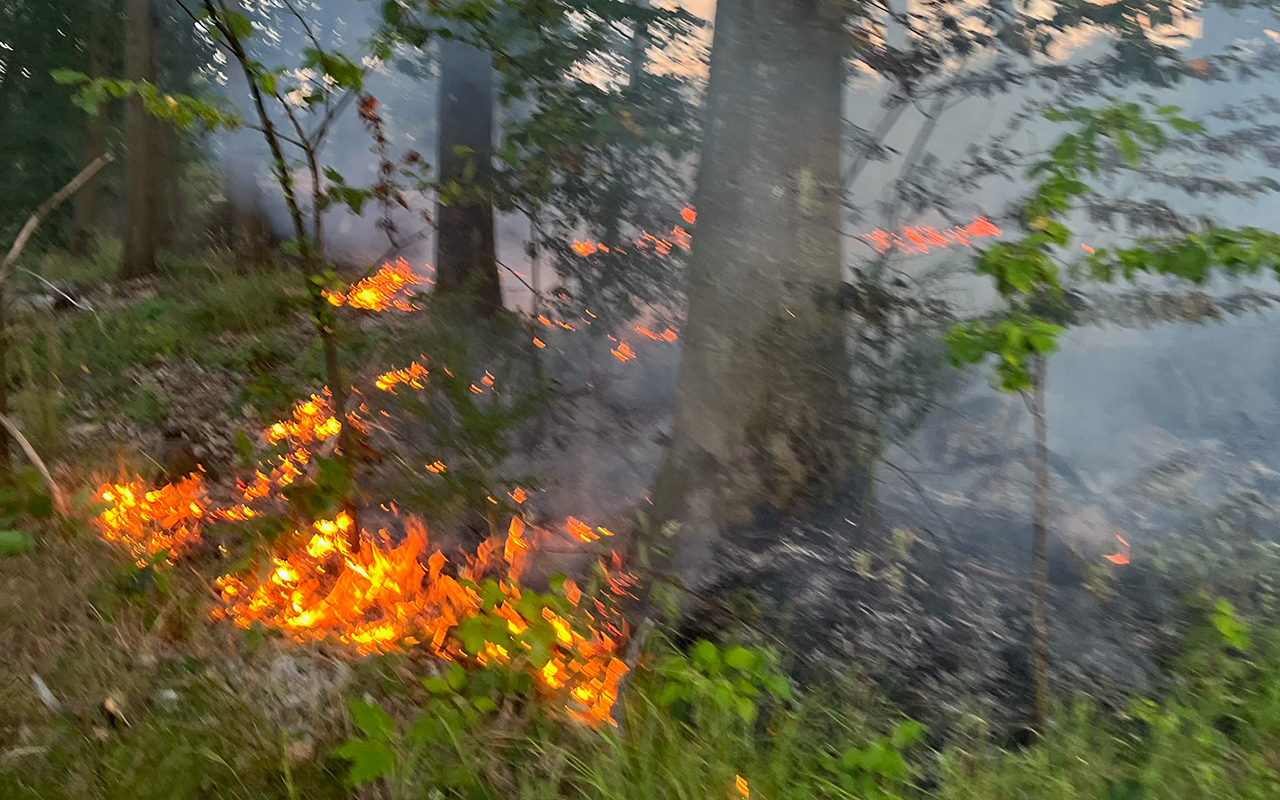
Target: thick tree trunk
143	139
85	218
761	418
466	262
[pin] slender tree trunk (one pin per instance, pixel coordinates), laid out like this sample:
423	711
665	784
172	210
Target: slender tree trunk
6	467
139	256
1039	627
466	261
85	218
761	417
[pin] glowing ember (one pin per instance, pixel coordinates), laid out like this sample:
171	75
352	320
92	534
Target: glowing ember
152	524
666	336
1122	557
390	287
415	375
678	237
623	352
312	422
920	239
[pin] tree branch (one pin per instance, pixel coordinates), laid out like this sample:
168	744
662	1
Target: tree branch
46	209
59	499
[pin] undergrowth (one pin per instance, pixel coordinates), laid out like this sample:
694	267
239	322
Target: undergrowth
150	699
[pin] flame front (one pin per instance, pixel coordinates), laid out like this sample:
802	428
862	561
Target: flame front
387	594
388	288
161	523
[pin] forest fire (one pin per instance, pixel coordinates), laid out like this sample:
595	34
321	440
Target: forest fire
677	237
390	592
160	523
1122	557
388	288
918	240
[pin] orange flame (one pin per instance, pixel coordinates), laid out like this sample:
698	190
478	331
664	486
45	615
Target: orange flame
1122	557
623	352
390	287
150	524
920	239
740	783
415	375
666	336
383	595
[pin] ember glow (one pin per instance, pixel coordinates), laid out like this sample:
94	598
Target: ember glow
394	591
662	245
414	375
667	335
160	523
919	240
388	288
1122	557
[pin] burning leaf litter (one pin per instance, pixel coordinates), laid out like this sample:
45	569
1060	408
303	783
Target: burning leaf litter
391	287
386	594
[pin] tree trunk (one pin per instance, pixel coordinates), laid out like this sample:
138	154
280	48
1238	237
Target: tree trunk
1040	558
466	262
168	187
140	165
85	219
761	417
250	235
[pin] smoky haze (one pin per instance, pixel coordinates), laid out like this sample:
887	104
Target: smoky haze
1121	401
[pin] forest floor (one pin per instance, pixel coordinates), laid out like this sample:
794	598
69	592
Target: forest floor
120	684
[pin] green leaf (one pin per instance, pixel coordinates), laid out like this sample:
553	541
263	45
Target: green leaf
671	693
1166	111
370	718
369	760
1186	126
1128	148
425	730
241	26
437	685
66	77
742	658
40	506
456	676
1054	115
906	733
778	686
705	654
1065	153
14	543
746	709
852	759
391	12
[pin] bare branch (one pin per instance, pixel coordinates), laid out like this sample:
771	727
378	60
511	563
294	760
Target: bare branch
59	499
46	209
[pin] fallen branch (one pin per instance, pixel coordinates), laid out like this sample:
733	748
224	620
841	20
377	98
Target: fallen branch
46	209
59	500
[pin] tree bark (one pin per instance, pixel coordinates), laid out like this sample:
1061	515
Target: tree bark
761	417
139	256
85	218
466	261
1040	557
